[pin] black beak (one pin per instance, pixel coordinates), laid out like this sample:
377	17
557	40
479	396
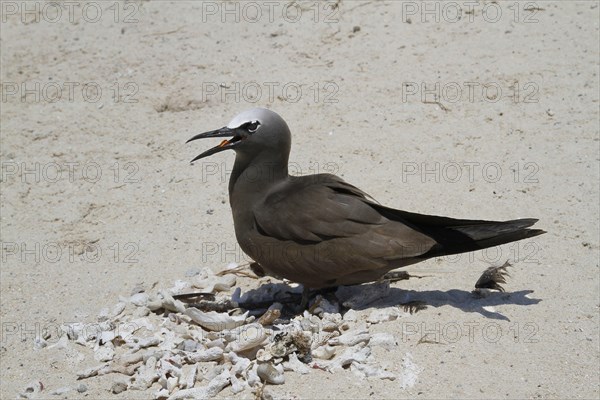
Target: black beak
225	144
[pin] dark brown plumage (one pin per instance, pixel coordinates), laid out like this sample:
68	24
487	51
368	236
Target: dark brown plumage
321	231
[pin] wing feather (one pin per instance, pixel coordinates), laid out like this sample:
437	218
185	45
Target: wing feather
323	208
316	209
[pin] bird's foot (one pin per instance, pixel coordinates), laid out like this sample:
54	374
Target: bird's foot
257	269
395	276
307	295
242	270
304	301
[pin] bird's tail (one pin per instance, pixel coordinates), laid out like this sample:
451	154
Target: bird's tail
455	236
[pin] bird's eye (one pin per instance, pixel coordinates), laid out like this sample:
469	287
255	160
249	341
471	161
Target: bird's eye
252	126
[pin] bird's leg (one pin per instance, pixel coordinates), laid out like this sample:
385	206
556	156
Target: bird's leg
411	306
304	300
257	269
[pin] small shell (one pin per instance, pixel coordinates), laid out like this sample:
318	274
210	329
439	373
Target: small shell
117	309
215	321
383	315
216	343
170	365
76	330
303	342
212	354
146	375
137	343
103	314
350	316
282	345
170	304
368	371
324	352
118	387
310	323
139	299
209	282
270	374
237	385
357	353
135	325
162	381
323	339
263	355
286	343
104	353
189	345
180	286
249	337
214	387
129	359
351	338
63	343
238	364
188	375
39	343
269	317
293	364
210	372
252	377
172	383
141	312
385	340
154	303
329	326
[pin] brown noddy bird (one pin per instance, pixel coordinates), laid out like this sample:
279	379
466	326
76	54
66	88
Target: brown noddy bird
320	231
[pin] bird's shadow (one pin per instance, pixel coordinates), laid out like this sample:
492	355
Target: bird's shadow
380	295
463	300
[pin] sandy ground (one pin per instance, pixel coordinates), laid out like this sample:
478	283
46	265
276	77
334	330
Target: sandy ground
98	195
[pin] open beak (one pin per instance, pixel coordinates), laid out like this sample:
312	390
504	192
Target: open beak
224	145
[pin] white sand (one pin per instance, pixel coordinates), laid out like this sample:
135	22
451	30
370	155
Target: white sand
533	152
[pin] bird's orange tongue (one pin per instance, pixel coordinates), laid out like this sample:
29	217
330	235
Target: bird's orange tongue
224	143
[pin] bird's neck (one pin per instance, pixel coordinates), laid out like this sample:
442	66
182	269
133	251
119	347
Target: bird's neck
249	184
253	176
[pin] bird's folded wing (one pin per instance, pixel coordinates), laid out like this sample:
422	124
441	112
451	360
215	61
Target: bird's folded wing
323	208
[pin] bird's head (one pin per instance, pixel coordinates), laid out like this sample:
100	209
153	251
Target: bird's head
252	132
